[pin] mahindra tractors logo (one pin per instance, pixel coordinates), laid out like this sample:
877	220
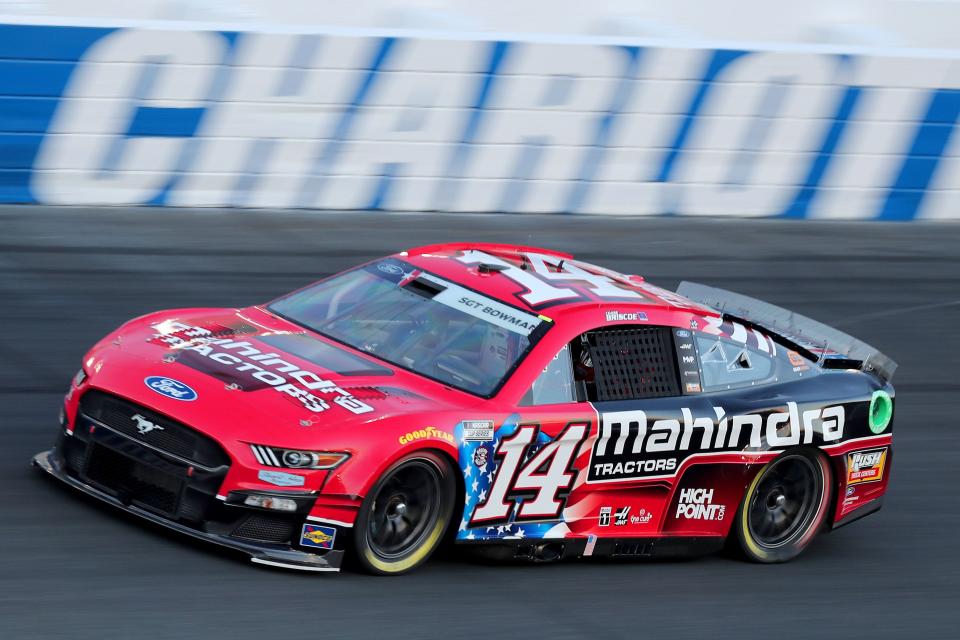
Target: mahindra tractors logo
632	445
144	426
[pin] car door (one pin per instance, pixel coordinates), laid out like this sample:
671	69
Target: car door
518	477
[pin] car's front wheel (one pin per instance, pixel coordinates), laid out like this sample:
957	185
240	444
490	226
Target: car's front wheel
404	517
784	507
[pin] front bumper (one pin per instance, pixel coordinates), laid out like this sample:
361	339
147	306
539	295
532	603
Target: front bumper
261	553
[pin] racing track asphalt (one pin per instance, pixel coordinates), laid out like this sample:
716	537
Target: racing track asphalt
72	569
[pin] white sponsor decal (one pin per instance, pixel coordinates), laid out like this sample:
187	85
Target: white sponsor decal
267	368
281	479
487	309
547	269
605	513
630	446
697	504
616	316
477	430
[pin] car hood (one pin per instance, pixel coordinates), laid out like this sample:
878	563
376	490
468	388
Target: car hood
249	376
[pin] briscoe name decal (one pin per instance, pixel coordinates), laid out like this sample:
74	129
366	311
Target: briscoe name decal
631	447
261	369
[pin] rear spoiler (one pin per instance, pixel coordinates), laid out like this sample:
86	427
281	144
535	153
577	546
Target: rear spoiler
792	327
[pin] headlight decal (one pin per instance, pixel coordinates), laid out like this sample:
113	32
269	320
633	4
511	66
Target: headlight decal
265	456
296	459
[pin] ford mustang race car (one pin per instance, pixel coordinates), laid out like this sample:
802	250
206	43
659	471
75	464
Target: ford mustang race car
513	399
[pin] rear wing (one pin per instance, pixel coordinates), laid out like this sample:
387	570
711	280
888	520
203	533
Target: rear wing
792	327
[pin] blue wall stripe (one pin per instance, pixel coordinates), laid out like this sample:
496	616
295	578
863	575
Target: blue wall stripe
515	188
37	42
908	190
18	151
31	78
218	86
26	115
390	171
166	121
593	156
718	62
315	181
30	86
448	186
808	190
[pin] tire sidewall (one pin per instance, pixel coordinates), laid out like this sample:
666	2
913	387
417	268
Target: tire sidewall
783	553
376	564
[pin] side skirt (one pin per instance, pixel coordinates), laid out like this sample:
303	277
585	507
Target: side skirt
871	507
550	550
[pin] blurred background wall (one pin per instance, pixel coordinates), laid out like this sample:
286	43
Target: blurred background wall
843	109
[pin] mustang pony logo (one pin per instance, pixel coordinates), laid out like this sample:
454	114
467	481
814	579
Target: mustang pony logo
145	426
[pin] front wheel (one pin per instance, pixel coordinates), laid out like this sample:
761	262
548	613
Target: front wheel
404	517
784	507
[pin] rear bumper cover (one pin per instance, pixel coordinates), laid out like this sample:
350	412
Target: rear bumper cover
271	555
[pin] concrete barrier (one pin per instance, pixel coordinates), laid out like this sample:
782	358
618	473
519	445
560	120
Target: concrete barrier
179	115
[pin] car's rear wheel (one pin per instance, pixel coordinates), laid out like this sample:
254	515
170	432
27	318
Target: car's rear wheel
404	517
785	507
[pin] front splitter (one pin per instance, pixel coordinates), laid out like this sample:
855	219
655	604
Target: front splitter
270	555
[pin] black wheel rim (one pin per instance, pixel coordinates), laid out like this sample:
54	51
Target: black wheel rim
785	501
405	509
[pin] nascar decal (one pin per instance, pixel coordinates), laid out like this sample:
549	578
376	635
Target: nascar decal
866	466
631	446
517	484
240	363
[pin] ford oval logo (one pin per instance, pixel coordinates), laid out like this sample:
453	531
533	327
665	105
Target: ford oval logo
170	388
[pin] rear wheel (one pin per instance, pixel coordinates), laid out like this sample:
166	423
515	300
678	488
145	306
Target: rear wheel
404	518
784	507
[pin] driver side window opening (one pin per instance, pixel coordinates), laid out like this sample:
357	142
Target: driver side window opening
555	385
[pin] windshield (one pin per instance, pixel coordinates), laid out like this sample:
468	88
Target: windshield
419	322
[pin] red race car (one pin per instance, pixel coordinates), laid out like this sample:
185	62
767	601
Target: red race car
509	398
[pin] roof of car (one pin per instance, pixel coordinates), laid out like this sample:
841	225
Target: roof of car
509	272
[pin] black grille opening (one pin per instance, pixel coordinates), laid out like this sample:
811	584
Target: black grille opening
194	505
265	527
633	363
74	454
173	437
132	482
640	548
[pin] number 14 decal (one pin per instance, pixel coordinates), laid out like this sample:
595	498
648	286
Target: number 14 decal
543	481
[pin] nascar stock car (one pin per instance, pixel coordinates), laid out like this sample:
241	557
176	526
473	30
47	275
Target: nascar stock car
509	398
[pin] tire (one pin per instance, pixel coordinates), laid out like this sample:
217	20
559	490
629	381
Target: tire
784	507
403	519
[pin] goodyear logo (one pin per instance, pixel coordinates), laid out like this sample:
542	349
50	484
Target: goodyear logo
425	434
